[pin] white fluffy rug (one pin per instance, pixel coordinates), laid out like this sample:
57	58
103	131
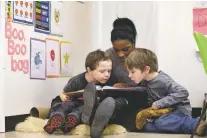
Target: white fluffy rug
31	124
35	125
84	130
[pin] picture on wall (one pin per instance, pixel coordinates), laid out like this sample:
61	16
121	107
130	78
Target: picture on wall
8	9
42	16
65	63
23	12
53	58
201	41
37	59
199	20
57	18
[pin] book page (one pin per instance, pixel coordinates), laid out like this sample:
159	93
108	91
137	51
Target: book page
111	88
126	89
98	88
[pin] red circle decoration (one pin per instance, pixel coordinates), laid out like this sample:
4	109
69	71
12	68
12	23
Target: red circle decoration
52	55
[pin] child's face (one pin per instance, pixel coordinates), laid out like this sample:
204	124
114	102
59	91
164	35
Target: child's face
137	75
103	71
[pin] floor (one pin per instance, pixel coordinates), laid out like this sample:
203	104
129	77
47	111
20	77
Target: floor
127	135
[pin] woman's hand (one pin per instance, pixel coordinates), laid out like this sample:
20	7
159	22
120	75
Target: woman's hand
64	97
120	85
154	106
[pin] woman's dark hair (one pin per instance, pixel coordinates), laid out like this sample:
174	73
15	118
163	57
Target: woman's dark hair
124	29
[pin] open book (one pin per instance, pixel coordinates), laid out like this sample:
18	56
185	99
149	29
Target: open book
109	89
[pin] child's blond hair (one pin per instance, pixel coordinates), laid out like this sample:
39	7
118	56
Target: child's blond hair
140	58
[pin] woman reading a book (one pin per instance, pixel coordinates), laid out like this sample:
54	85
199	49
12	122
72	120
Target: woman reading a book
123	38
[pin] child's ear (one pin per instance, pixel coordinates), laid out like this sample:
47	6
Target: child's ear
89	70
147	69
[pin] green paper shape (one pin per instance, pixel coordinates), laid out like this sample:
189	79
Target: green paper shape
201	41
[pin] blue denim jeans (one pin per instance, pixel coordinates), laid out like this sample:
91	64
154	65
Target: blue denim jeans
174	122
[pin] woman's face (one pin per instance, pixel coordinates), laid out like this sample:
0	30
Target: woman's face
122	48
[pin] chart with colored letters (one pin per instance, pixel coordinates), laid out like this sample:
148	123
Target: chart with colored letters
42	16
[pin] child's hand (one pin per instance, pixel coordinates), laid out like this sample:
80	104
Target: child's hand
154	106
120	85
64	97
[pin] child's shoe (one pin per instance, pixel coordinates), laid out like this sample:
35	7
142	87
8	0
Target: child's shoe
55	122
72	120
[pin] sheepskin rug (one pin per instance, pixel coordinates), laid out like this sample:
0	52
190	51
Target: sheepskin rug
35	125
31	124
84	130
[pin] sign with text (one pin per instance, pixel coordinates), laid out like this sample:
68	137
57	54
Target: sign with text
200	20
17	48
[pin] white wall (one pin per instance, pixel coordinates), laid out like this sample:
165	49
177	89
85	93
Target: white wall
176	48
22	93
95	10
166	28
144	15
2	108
